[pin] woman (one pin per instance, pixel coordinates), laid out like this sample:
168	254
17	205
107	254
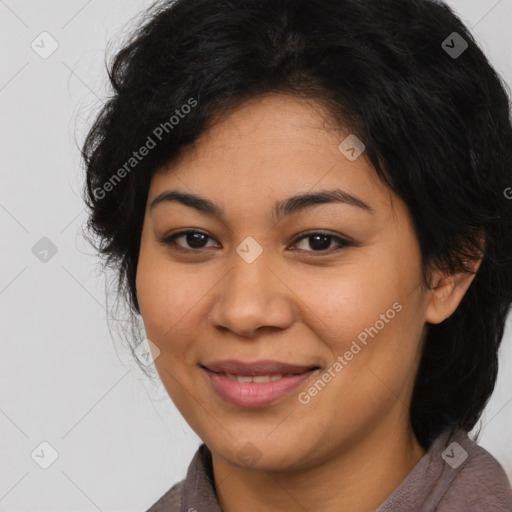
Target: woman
304	202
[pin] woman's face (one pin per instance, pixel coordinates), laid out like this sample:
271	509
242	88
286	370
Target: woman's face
250	286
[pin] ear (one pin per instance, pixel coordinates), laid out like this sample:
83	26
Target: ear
447	292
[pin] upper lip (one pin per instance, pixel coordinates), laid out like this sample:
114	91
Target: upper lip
263	367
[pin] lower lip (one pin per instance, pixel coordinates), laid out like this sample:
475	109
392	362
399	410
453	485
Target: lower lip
256	394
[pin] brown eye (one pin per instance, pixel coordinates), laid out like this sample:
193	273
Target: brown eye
321	242
192	240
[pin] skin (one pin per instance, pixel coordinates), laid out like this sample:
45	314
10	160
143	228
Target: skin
352	444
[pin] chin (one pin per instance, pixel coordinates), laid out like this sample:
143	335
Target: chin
256	454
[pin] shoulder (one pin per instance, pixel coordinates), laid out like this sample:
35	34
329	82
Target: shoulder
478	482
170	501
196	486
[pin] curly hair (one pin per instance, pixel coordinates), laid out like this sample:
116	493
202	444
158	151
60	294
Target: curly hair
436	126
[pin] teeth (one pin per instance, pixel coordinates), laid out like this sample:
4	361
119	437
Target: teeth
256	378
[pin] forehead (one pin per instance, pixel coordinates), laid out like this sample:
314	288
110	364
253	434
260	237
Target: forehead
271	147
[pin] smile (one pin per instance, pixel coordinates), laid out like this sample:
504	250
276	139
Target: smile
256	390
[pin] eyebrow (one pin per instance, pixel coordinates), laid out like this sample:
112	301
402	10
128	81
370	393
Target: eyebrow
282	208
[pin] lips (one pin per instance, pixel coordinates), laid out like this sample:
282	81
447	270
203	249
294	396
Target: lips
263	388
232	367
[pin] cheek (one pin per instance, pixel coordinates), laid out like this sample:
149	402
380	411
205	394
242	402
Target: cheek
171	298
349	299
370	315
159	293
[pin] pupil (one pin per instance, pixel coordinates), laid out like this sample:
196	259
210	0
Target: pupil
320	245
195	240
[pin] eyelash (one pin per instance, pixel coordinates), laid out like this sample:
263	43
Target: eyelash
342	242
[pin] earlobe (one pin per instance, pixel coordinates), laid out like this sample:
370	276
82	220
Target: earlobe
447	292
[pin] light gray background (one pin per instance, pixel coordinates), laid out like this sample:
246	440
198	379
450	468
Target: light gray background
120	441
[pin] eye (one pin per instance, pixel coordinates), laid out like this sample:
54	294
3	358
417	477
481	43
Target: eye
195	240
321	242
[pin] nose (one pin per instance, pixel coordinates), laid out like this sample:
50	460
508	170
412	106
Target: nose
252	296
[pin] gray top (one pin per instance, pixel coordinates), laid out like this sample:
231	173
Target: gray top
454	475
